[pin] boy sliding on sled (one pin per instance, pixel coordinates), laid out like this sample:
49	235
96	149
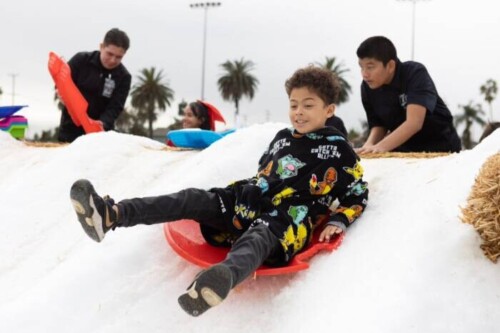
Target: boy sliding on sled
267	218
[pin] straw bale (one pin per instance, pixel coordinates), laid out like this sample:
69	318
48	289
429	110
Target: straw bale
483	207
402	155
44	144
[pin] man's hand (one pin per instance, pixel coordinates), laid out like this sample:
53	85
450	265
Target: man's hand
329	232
371	149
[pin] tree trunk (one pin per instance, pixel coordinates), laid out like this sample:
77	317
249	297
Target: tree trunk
236	113
150	121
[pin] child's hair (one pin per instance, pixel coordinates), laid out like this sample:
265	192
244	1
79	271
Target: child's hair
321	81
118	38
201	112
379	48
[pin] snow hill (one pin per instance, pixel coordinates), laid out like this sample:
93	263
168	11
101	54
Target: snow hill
408	265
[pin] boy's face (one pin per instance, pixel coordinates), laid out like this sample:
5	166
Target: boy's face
111	55
375	74
308	112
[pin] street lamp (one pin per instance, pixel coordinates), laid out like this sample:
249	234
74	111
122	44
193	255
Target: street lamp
13	86
412	27
205	6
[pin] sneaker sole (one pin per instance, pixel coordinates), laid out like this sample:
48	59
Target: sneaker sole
84	206
209	289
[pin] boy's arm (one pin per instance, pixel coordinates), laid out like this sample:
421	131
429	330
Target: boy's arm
351	205
415	116
352	197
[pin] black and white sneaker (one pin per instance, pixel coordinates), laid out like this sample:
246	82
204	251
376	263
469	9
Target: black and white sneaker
209	288
95	213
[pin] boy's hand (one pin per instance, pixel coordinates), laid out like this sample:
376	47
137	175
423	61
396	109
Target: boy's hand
249	195
329	233
248	202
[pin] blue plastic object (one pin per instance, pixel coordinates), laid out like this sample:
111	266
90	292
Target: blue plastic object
195	138
6	111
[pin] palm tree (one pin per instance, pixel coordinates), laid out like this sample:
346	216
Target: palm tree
338	69
130	122
489	90
150	93
236	82
57	100
470	116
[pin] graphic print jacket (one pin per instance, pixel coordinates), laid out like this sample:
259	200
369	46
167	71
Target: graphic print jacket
299	178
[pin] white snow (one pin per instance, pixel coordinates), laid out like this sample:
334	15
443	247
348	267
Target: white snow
407	265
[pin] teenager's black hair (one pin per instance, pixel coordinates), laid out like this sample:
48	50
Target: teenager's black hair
379	48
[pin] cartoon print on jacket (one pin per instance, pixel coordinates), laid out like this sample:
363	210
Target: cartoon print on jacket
263	184
244	212
356	171
297	236
285	193
298	213
288	166
325	186
297	239
350	212
358	189
333	138
267	170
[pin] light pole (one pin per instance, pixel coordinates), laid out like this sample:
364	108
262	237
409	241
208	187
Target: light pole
205	6
412	27
13	86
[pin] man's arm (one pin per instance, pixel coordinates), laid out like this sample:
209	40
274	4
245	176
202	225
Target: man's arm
377	133
415	116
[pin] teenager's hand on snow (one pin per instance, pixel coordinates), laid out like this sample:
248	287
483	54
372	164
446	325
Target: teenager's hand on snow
371	149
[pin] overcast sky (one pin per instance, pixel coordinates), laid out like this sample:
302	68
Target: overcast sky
458	41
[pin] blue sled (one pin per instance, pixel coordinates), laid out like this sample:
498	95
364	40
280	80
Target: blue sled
195	138
7	111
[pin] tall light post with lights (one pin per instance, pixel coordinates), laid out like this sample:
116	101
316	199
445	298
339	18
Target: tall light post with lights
205	6
414	3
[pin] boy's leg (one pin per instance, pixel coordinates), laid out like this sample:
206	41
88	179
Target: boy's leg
98	215
191	203
250	250
212	286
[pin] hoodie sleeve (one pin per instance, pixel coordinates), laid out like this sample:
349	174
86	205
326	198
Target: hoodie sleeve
352	195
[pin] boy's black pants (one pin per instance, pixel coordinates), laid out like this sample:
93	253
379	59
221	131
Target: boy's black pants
247	253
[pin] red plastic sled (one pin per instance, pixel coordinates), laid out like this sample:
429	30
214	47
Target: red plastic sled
70	95
185	238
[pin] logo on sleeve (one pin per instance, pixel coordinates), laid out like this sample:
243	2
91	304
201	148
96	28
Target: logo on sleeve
403	100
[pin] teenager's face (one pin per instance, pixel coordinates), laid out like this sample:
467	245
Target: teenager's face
375	74
111	55
190	120
308	112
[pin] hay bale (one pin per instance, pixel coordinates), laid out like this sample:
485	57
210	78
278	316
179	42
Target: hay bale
483	207
402	155
38	144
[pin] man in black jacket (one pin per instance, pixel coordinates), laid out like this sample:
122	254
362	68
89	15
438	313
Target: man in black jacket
103	81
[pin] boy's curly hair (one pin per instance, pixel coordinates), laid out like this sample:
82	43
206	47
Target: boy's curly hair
321	81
